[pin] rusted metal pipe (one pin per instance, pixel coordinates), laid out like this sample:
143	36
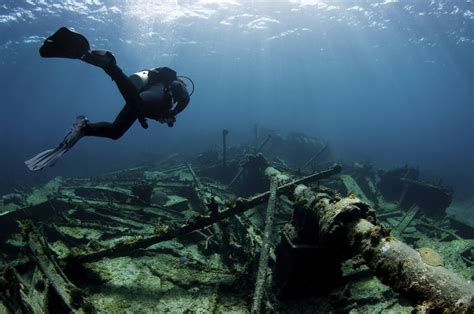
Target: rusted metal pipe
348	225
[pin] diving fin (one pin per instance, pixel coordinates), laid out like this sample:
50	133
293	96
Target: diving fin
49	157
65	43
45	159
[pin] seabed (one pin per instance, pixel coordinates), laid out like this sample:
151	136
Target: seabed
142	239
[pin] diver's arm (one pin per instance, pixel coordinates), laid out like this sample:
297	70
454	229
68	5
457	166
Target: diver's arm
180	96
179	107
169	117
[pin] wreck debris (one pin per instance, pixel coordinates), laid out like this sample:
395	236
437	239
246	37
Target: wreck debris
17	293
39	252
170	232
432	198
195	177
92	215
406	220
267	139
39	295
242	166
39	211
448	232
390	181
199	189
349	224
263	261
207	204
313	158
234	179
253	179
352	186
294	149
143	191
402	185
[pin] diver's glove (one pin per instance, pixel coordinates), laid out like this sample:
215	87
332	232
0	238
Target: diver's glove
169	121
168	118
143	122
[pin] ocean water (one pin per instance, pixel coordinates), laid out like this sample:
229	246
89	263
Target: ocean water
383	81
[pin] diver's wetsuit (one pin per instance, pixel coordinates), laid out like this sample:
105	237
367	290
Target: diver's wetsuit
154	95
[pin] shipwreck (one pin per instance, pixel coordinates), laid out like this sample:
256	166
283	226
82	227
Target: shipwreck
271	227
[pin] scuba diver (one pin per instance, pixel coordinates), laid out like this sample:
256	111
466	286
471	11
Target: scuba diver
148	94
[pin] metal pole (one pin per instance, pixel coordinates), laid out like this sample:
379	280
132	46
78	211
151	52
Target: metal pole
224	146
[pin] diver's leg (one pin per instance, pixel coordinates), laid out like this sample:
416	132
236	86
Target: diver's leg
114	130
125	86
66	43
106	60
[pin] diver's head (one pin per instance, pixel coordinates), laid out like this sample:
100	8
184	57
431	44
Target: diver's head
179	92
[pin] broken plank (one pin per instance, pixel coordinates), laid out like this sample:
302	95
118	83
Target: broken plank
95	215
352	186
41	254
406	220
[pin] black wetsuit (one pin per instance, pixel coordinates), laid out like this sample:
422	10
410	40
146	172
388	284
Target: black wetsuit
154	95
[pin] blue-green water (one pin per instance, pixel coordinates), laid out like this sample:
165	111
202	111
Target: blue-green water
384	81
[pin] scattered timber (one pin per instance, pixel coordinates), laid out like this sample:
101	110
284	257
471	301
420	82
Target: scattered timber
263	262
170	232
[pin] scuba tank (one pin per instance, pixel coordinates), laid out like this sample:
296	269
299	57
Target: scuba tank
164	75
139	80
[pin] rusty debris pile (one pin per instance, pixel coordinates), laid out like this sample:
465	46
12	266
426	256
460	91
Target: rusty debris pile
256	229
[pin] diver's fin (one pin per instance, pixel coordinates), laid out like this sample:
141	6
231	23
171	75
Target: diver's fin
49	157
65	43
45	159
